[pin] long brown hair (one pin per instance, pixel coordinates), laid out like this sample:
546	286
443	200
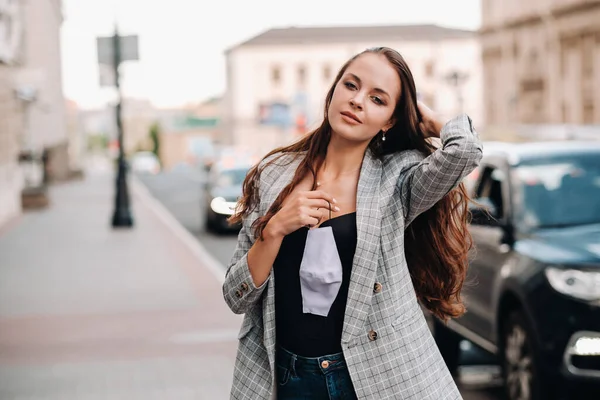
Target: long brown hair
437	242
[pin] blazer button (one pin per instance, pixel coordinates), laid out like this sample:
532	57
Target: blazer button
238	294
377	287
372	335
244	287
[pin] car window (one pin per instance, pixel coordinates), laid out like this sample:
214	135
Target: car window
490	190
560	192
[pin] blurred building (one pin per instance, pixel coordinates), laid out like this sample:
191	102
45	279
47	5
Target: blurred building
11	113
76	149
189	140
138	115
278	80
192	138
41	72
541	61
186	133
32	107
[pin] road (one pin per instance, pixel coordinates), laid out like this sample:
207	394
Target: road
181	193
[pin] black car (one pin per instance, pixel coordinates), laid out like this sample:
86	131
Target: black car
222	191
533	286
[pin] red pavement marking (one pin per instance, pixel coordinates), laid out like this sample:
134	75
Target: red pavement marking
150	325
112	351
90	337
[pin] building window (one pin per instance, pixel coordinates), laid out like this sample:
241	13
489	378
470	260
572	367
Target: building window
276	75
327	72
429	69
587	62
533	57
515	50
301	75
588	114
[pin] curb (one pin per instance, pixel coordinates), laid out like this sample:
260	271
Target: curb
198	250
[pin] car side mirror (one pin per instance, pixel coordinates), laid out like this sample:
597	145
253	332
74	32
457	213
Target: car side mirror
484	212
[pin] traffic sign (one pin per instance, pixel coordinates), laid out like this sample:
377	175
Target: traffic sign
106	52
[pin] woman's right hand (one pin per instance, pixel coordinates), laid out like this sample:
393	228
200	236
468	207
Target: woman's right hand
300	209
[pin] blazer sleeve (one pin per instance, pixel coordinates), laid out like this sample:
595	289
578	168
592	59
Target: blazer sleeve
424	181
239	290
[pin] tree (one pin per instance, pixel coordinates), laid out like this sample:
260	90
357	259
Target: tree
154	134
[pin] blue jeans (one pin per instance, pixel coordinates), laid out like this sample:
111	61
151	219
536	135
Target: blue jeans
319	378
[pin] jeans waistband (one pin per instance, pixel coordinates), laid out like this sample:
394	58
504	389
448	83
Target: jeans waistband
323	364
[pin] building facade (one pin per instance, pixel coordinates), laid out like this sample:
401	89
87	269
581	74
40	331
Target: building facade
278	80
191	138
41	72
11	182
32	107
541	61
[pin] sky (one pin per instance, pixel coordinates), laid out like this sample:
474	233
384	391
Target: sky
182	42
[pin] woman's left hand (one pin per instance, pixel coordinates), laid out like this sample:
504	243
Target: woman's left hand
431	122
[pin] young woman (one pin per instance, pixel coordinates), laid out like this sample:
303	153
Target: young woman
344	232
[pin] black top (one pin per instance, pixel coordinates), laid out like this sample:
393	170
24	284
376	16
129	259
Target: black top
310	335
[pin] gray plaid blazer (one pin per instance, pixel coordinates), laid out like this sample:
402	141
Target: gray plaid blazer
403	362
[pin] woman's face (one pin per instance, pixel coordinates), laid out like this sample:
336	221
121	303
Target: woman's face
364	99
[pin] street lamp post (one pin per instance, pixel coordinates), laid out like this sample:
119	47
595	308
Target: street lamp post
122	213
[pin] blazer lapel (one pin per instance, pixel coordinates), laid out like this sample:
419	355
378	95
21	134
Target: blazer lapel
364	266
287	174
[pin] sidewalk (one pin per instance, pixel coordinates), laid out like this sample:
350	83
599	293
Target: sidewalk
88	312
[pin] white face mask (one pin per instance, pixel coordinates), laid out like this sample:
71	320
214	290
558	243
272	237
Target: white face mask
320	272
